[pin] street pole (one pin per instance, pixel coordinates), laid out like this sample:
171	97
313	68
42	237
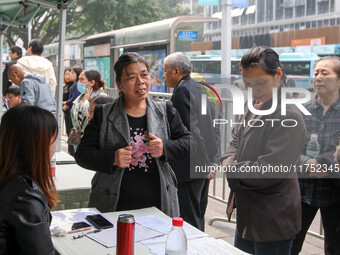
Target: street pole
226	41
29	31
226	55
59	88
1	74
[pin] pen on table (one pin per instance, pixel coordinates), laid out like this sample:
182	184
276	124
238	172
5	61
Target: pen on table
84	234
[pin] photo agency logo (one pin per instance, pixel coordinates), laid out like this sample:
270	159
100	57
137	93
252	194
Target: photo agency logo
238	101
204	97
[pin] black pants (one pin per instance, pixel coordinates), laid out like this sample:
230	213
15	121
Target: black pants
193	200
330	216
68	124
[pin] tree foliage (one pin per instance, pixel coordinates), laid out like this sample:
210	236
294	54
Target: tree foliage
87	17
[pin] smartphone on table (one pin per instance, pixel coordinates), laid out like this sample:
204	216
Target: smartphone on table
79	226
98	221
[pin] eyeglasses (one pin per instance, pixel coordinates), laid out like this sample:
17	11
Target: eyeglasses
9	98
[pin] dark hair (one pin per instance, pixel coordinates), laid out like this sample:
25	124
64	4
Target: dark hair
77	70
126	59
264	58
336	66
16	49
94	75
67	69
15	90
103	100
37	46
25	138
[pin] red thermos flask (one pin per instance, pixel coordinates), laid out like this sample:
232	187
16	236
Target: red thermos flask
125	234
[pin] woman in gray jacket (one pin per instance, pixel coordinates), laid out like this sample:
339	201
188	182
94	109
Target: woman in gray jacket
129	144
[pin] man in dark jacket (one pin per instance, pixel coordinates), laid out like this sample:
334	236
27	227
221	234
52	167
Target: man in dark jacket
186	98
15	53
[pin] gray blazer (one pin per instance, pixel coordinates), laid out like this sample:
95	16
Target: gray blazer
109	131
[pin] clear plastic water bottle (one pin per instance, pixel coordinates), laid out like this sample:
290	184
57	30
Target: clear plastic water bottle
53	164
313	147
176	243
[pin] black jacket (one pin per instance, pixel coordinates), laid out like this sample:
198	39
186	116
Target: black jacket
187	100
5	82
24	219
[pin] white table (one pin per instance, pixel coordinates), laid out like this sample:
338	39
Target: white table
73	182
86	246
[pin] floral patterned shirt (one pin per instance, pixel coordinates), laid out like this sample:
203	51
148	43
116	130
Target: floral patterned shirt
140	186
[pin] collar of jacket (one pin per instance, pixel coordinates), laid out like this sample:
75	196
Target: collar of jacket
118	117
316	104
184	79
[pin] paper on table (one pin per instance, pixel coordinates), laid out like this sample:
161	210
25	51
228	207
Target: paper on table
162	225
108	237
203	246
67	217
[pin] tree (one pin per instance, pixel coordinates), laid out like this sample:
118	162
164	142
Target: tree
87	17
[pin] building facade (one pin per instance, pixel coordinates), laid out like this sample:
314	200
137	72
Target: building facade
277	23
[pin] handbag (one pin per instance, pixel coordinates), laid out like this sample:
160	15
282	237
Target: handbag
74	137
75	134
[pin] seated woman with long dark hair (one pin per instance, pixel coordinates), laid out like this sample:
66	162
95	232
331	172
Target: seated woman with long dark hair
27	191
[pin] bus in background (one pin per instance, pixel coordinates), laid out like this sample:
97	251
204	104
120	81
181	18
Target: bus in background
207	68
299	69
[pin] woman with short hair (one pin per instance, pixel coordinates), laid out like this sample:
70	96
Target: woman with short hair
129	143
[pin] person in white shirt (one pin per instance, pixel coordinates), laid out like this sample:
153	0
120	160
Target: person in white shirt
35	63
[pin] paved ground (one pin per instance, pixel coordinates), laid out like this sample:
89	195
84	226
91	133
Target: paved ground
226	231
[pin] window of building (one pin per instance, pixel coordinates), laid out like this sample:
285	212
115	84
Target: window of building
319	23
251	19
307	24
215	25
279	8
313	24
323	6
252	2
260	11
332	6
244	19
291	26
302	25
215	9
310	7
236	20
297	26
289	13
332	22
338	21
269	10
281	28
326	23
300	11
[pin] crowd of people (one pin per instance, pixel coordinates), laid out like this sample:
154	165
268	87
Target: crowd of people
144	151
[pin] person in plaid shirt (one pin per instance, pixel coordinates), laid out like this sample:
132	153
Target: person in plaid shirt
319	190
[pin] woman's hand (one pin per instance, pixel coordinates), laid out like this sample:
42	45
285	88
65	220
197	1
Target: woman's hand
336	154
155	146
212	173
228	160
123	157
65	106
87	94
